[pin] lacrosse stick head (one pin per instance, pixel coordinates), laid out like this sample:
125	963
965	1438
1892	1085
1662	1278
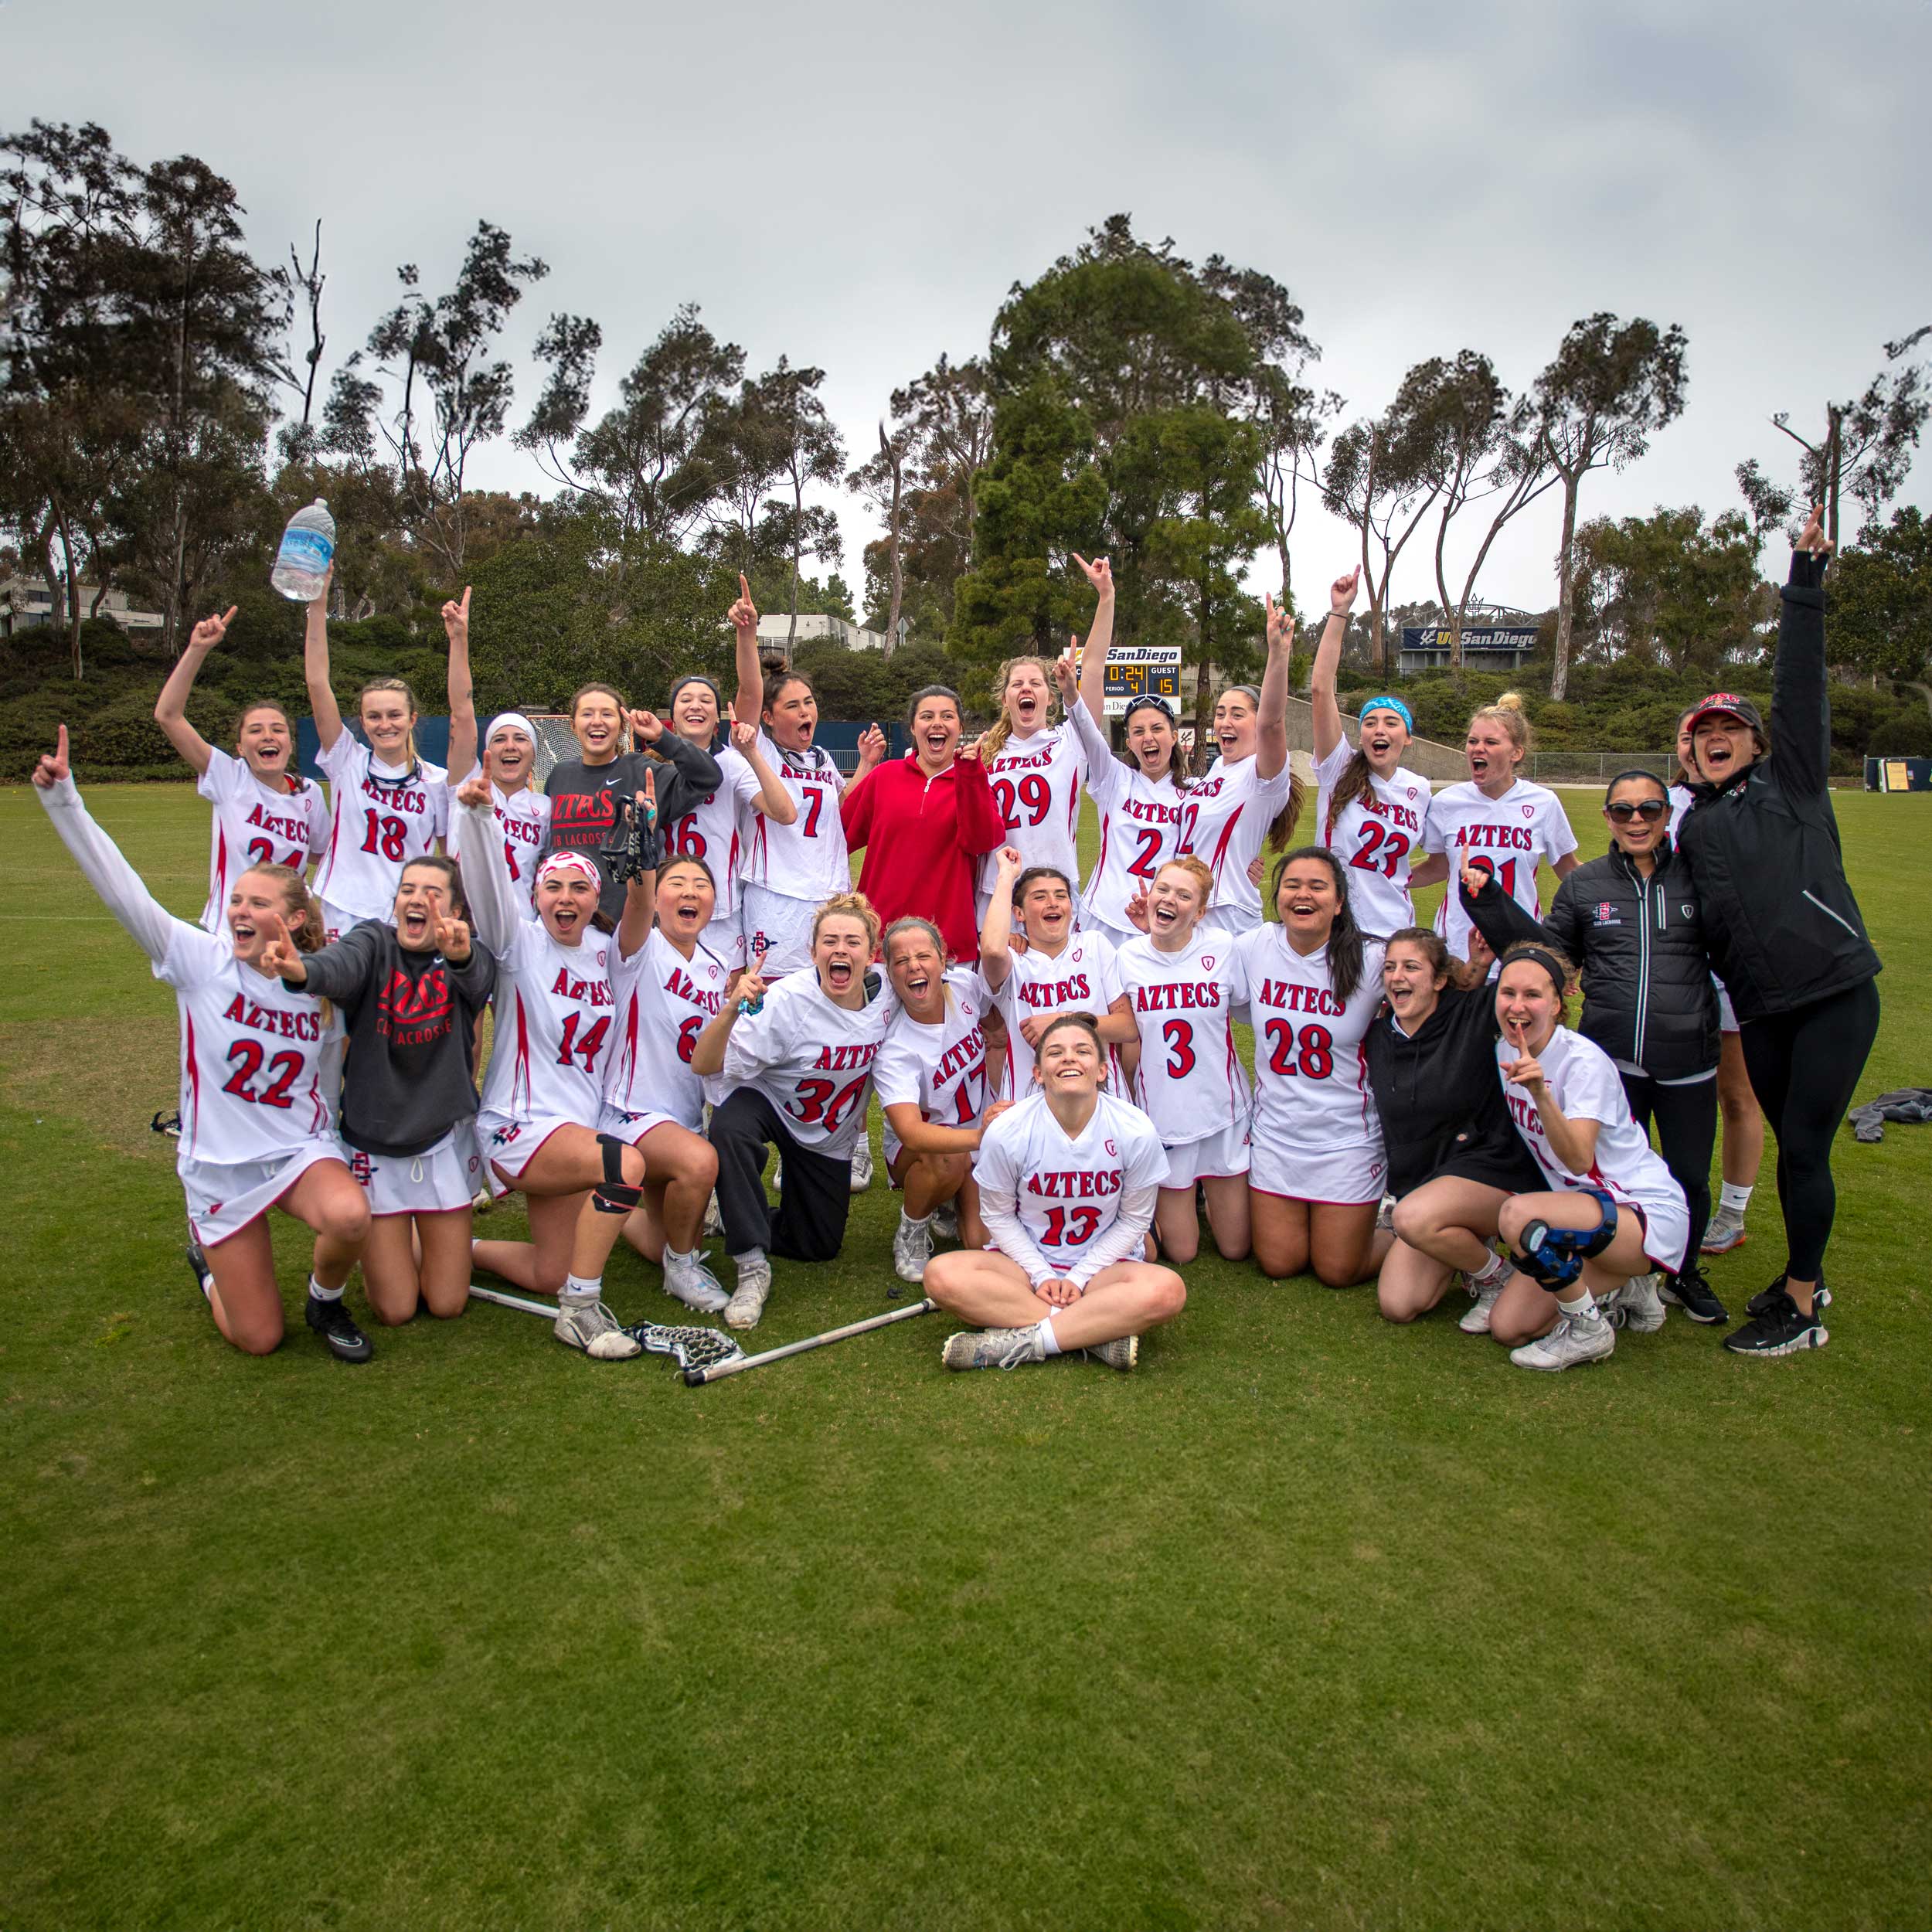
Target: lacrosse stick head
689	1347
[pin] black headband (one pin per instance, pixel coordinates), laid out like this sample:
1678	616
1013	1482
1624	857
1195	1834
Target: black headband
1547	961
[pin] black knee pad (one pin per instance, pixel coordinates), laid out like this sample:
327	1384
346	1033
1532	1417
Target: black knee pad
1555	1257
614	1195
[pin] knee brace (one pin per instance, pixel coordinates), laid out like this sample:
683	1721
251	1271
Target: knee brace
613	1194
1555	1257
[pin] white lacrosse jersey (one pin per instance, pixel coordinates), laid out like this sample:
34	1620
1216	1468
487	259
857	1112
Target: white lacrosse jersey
1067	1192
806	859
1190	1082
1506	836
812	1059
556	1010
714	829
1681	802
1225	817
381	817
1037	782
939	1067
523	821
664	1002
1583	1080
1311	1092
1082	977
1378	837
1140	826
255	824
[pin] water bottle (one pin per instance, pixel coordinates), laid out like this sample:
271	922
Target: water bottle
307	546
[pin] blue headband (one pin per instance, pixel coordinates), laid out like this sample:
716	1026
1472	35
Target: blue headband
1391	704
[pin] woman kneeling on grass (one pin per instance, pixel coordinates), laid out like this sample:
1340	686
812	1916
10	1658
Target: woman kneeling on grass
411	989
543	1094
258	1063
1068	1182
1613	1212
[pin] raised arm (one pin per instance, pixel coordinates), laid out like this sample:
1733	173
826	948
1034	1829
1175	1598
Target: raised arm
694	773
1271	720
751	676
871	755
771	800
996	936
147	922
463	746
487	884
1099	636
1801	701
982	825
321	698
171	707
1328	662
1495	914
1105	773
640	893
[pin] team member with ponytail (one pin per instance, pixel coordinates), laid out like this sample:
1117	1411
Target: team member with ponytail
411	989
537	1129
1630	920
931	1077
257	1104
522	813
1068	1180
1137	799
923	821
796	1063
1182	985
265	812
1317	1167
1036	769
584	791
1786	936
1743	1146
1501	822
669	987
1370	811
386	805
1613	1212
1250	794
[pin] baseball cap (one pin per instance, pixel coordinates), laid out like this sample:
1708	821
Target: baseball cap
1723	701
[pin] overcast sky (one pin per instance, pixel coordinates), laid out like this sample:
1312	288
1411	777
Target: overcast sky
857	185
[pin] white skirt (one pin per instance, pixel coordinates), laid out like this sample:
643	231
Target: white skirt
1216	1157
725	936
631	1128
224	1196
1328	1176
440	1180
508	1146
782	925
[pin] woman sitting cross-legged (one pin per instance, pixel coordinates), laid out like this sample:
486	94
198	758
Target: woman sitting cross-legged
1068	1181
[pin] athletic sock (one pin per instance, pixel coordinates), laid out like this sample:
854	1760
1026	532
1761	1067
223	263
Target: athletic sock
1734	1199
576	1289
751	1258
1494	1275
914	1220
1584	1305
322	1294
671	1254
1049	1341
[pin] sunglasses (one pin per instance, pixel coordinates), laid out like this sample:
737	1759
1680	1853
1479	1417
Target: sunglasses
1650	810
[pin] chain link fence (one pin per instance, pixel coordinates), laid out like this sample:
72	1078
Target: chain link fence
1594	767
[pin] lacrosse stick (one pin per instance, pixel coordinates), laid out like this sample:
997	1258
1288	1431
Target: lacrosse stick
692	1348
716	1371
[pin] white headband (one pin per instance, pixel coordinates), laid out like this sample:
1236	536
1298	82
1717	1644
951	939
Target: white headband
511	721
570	861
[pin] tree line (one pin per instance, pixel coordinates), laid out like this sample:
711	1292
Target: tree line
163	408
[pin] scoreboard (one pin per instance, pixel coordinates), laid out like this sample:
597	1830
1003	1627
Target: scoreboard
1142	670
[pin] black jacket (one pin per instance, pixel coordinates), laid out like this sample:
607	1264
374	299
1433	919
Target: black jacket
410	1076
585	797
1647	997
1783	928
1439	1095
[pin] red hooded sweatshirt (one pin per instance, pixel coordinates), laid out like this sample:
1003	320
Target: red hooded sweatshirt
921	837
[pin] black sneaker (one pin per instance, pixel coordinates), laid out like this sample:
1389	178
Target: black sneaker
1780	1330
1766	1299
1688	1290
197	1267
333	1322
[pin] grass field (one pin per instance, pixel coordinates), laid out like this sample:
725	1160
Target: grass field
1311	1622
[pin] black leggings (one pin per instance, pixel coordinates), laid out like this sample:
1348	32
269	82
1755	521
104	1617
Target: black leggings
1686	1119
814	1195
1804	1066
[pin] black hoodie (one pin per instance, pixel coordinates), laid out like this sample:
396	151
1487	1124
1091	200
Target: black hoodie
583	800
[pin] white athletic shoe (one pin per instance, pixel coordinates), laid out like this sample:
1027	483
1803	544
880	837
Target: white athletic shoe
746	1307
912	1248
479	1201
1575	1339
589	1326
992	1348
862	1166
691	1282
713	1220
1121	1354
1477	1321
1636	1306
1386	1212
946	1222
1724	1231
